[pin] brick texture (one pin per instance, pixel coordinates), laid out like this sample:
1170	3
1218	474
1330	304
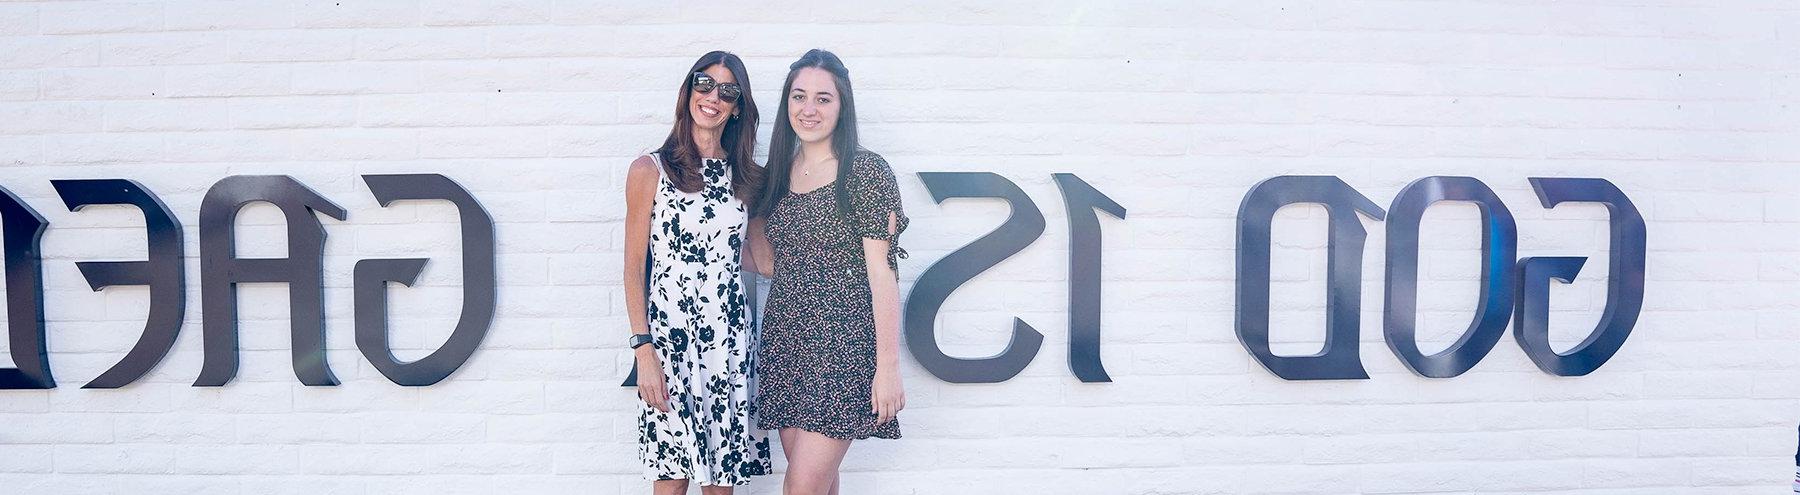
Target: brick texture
1172	108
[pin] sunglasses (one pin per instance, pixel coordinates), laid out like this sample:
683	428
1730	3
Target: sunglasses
728	92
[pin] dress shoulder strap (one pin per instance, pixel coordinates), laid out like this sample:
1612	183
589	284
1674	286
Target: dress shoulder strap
657	158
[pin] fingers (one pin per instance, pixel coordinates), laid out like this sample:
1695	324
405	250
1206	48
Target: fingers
885	410
649	397
654	394
655	400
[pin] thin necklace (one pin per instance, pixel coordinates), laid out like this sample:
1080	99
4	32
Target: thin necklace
807	166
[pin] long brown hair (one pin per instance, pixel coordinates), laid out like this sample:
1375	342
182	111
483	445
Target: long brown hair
784	143
681	157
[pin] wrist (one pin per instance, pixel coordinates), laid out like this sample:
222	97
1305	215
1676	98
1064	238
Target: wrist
639	340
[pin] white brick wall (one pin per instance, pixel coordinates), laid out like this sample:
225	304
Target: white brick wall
1173	108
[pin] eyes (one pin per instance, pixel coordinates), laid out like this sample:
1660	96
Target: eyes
798	98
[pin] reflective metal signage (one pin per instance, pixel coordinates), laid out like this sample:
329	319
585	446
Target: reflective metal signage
1513	291
221	270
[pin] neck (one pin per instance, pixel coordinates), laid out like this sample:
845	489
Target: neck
815	150
707	142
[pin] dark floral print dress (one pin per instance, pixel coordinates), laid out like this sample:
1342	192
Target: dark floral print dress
817	363
698	319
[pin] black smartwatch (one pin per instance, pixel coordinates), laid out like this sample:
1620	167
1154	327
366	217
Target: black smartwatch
641	339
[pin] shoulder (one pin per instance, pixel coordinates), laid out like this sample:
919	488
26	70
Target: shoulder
643	172
869	164
644	162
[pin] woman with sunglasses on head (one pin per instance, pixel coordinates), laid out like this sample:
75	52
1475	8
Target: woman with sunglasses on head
830	214
686	212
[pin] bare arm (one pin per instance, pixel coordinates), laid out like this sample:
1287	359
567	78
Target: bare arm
884	294
640	197
760	252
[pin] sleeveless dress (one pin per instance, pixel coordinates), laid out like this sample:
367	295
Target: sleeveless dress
817	363
698	320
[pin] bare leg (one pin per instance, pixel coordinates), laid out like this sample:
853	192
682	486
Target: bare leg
669	487
716	490
787	440
813	461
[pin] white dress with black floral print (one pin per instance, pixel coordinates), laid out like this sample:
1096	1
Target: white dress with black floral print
702	334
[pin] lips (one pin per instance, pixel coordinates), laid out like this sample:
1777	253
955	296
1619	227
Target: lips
709	111
808	124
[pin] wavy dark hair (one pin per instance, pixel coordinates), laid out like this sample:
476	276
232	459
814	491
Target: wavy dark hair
681	157
784	144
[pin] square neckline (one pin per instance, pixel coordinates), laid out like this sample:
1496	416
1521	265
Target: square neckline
813	190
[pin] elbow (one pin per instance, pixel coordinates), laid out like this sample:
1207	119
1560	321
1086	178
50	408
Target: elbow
755	266
757	263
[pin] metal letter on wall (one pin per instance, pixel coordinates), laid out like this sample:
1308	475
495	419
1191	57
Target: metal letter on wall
1343	293
937	282
163	272
478	283
221	270
1499	247
23	231
1625	281
1084	274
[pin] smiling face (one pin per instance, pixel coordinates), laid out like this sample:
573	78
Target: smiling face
813	105
709	110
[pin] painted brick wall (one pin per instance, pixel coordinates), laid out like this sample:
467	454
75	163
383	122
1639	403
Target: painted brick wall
1173	108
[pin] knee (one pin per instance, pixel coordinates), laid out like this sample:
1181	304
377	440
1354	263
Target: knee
807	483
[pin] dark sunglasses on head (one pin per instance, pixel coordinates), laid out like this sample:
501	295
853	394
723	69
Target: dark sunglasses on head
728	92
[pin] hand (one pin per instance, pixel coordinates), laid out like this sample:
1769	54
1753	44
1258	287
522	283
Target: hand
889	397
650	379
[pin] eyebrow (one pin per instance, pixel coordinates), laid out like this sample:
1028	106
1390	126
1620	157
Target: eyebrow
802	91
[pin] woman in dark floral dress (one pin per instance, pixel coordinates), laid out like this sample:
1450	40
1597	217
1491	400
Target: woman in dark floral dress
686	218
830	211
